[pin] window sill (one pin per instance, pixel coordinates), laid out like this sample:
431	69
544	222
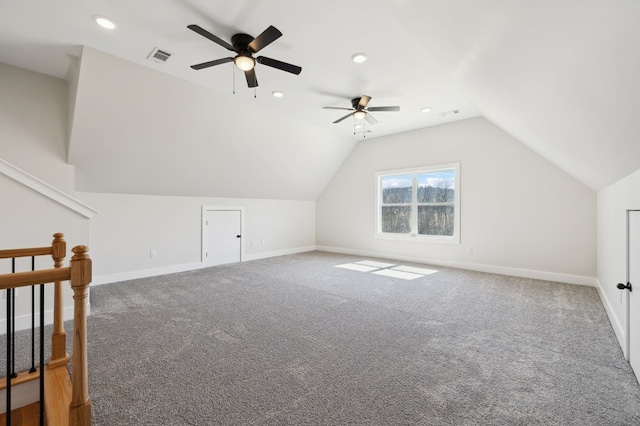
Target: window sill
419	238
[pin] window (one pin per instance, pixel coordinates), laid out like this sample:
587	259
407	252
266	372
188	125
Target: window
422	203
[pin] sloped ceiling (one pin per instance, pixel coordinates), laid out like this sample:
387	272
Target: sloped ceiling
140	131
557	75
560	76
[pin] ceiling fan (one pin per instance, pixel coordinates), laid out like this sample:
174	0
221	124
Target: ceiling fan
245	46
359	110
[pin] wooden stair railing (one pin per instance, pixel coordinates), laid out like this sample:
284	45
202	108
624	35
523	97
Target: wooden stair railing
78	412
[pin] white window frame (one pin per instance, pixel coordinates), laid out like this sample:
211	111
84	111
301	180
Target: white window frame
413	235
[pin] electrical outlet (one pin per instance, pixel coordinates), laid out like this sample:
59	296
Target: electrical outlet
153	254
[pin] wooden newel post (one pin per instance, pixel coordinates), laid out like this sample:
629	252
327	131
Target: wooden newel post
80	408
59	355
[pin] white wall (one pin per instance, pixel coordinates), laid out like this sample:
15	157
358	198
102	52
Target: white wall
31	221
33	119
33	125
613	203
130	226
520	214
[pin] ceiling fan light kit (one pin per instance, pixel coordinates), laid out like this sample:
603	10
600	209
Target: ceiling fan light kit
244	62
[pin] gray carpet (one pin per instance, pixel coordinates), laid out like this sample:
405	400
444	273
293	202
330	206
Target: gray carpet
294	340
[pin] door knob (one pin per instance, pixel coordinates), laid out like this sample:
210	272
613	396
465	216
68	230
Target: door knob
624	286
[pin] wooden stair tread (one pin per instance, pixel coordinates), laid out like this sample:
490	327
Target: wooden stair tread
57	395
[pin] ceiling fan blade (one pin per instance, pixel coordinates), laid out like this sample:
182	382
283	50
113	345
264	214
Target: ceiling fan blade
344	109
343	118
215	39
364	101
370	119
293	69
211	63
252	80
267	37
385	108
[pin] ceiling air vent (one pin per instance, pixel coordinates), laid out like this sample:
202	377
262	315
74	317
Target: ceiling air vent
450	113
158	55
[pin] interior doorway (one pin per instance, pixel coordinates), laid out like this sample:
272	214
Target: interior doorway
221	235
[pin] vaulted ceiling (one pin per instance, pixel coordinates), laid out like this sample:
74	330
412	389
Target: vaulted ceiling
558	75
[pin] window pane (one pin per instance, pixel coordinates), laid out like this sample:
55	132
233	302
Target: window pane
396	219
435	220
397	189
436	187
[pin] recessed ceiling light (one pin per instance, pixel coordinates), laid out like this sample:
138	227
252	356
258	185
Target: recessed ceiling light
359	58
277	94
425	109
104	22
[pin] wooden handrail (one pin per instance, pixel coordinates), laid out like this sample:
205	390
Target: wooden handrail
24	279
79	274
25	252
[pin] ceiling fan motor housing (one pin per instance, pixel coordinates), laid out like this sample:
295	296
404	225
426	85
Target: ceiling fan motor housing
241	42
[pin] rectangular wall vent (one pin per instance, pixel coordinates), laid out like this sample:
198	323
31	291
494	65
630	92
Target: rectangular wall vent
158	55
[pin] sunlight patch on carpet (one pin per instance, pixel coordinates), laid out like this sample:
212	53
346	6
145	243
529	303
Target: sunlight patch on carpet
397	274
388	269
354	267
374	263
421	271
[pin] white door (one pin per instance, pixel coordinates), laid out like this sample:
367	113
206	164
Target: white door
222	235
634	294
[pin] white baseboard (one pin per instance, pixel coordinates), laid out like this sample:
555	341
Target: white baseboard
144	273
618	328
494	269
276	253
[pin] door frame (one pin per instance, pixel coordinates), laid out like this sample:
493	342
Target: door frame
203	229
627	304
